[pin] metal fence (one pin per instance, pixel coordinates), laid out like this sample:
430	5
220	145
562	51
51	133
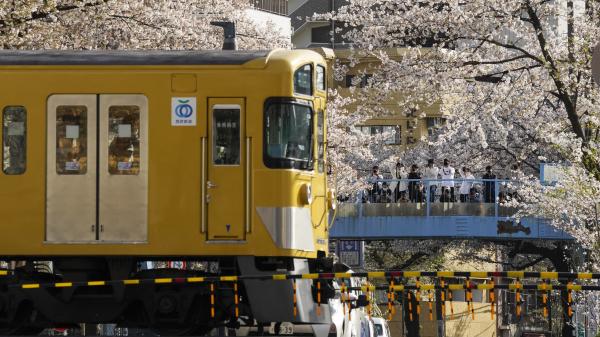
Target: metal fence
424	197
273	6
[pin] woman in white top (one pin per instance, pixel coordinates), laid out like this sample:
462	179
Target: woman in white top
447	172
465	186
402	186
431	173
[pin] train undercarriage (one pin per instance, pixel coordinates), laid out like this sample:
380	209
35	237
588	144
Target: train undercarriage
170	308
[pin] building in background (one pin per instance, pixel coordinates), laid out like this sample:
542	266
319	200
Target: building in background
279	7
408	126
273	14
312	33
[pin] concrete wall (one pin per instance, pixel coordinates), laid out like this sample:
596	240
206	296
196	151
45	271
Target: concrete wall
461	324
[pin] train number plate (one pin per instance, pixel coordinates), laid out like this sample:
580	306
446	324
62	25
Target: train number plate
286	328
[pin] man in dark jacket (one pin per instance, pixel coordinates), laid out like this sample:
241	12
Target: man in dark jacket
414	186
489	192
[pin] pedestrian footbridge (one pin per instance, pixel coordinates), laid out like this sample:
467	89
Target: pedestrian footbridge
438	220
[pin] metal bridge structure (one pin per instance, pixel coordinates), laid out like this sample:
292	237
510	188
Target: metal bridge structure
377	216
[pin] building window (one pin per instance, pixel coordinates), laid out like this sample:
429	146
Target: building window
434	124
320	34
364	80
393	133
14	140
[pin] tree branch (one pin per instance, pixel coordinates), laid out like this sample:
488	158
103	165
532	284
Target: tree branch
474	63
37	15
507	46
554	73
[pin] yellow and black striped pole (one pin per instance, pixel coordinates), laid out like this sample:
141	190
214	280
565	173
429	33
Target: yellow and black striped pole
443	297
545	299
410	311
492	299
518	299
319	298
295	298
212	300
236	300
390	295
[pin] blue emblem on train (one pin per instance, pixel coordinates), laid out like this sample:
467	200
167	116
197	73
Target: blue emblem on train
183	109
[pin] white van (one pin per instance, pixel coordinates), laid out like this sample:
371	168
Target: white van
381	327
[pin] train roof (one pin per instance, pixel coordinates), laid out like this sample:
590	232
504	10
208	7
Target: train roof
117	58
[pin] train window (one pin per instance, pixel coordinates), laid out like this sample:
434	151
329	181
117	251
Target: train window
226	133
14	140
124	140
321	140
288	135
321	78
71	139
303	80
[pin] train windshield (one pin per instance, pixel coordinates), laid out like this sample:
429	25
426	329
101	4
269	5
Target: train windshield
288	136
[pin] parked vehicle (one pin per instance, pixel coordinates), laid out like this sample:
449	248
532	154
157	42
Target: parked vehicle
381	327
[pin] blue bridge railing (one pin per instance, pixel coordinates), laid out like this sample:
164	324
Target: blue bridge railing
436	208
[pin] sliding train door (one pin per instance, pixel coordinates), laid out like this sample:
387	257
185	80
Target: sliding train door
123	169
71	168
97	168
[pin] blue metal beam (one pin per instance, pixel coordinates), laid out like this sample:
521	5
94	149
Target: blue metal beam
404	221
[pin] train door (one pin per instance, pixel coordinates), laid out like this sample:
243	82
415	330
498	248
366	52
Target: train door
97	168
123	168
71	168
225	185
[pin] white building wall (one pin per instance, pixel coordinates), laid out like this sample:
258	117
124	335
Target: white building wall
272	21
303	37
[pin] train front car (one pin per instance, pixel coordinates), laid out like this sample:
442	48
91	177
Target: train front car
111	159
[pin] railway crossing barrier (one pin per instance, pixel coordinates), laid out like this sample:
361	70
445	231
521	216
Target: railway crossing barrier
395	281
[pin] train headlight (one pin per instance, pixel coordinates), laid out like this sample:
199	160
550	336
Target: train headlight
306	194
331	200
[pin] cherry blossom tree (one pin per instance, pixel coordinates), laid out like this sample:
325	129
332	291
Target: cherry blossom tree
129	24
514	77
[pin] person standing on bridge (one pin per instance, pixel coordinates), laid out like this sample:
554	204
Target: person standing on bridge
431	172
466	185
376	179
489	184
414	186
447	173
402	185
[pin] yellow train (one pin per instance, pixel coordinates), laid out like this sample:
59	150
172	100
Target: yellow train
112	158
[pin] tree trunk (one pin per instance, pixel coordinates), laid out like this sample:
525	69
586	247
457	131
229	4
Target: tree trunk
590	162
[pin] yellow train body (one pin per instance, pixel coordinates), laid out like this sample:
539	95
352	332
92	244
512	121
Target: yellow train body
193	206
